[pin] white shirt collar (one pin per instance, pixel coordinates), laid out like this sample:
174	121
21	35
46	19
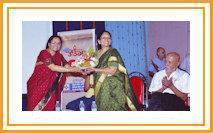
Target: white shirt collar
174	74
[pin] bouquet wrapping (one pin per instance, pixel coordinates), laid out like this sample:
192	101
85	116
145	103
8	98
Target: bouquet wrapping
88	59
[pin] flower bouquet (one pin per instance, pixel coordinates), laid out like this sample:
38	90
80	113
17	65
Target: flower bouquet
88	59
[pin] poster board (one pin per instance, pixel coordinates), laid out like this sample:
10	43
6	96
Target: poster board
74	45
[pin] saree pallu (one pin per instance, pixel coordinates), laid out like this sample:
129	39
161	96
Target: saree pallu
114	92
42	80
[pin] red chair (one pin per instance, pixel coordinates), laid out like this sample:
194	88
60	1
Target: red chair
187	102
139	85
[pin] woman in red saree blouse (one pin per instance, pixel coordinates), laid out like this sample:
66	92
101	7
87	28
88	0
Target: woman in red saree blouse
45	85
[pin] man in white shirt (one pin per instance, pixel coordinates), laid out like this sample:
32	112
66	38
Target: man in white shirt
169	87
157	64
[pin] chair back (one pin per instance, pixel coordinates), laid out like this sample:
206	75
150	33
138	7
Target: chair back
139	85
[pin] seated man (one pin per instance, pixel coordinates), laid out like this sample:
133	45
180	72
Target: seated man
169	87
157	64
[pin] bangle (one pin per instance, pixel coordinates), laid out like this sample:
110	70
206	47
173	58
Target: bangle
67	70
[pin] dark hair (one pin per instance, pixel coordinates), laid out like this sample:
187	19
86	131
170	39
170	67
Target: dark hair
158	49
51	38
99	37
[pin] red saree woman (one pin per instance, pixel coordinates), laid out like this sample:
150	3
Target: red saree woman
45	84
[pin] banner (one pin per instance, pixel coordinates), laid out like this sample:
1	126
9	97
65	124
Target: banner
74	45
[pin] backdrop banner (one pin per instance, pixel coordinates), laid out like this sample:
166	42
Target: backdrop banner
74	45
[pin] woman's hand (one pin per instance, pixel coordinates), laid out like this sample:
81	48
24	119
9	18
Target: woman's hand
90	70
85	72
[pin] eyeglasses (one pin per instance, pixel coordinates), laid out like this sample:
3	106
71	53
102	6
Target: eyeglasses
56	43
105	37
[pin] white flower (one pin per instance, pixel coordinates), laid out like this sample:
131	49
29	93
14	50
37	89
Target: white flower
94	59
92	63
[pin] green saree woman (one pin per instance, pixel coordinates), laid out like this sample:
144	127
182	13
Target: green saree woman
113	92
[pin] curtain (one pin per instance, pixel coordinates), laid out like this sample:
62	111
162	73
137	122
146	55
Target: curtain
130	39
59	26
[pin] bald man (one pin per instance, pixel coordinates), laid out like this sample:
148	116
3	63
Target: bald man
169	87
158	62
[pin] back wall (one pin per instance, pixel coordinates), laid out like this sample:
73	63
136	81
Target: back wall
174	36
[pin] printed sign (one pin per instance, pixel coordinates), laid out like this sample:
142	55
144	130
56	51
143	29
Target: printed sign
74	45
